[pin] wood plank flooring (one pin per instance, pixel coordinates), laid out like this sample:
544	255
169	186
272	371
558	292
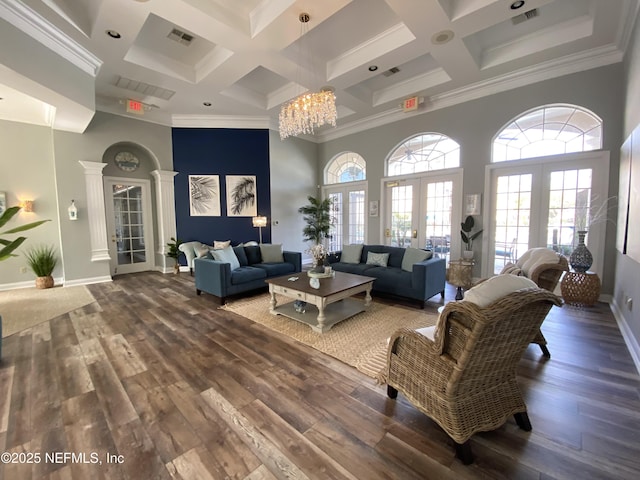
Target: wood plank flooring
154	382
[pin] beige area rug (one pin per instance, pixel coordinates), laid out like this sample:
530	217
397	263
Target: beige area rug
24	308
359	341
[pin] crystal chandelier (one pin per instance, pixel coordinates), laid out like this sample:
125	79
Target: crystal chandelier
307	111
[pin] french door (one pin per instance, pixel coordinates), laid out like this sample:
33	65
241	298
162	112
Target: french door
420	211
348	214
128	211
544	202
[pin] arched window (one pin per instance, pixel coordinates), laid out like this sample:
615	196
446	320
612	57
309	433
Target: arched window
346	167
422	153
550	130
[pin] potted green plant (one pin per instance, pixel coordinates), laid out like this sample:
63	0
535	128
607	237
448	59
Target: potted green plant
317	215
42	260
174	252
468	237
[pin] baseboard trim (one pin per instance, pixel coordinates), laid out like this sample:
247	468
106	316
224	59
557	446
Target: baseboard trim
627	334
28	284
88	281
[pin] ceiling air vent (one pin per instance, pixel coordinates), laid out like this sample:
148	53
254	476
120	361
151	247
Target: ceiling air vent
391	71
143	88
525	16
180	37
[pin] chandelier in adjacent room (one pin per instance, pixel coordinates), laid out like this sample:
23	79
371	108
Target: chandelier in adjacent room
310	110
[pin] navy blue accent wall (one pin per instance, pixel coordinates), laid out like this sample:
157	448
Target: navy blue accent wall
220	151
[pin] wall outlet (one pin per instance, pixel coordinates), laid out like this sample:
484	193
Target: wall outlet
23	269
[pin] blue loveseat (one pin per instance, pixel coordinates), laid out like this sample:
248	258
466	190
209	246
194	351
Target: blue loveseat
218	278
417	281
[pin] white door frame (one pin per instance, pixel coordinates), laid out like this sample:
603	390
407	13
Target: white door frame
147	221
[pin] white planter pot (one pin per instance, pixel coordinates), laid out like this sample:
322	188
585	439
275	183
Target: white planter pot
467	254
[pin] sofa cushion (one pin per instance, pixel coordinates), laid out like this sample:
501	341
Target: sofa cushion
494	288
351	253
537	256
390	277
271	253
355	268
219	245
275	269
226	255
380	259
201	250
253	254
414	255
247	274
241	255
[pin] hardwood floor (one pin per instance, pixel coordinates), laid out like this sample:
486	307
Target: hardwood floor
169	386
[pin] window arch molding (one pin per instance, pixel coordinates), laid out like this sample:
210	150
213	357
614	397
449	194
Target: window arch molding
423	152
345	167
547	130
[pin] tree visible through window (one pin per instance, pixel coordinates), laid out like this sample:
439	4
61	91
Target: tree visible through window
550	130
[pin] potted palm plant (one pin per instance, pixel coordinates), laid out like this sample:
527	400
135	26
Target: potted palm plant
317	215
174	252
42	260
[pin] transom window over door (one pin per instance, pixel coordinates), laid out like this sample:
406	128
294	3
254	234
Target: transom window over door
550	130
423	153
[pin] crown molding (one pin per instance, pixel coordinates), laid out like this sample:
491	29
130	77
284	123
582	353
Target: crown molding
37	27
559	67
219	121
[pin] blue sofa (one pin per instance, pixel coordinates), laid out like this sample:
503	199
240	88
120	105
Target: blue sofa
426	278
217	278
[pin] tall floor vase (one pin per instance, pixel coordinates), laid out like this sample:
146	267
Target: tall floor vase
581	258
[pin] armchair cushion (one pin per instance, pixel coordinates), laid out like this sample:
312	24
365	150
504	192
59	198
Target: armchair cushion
201	250
535	257
219	245
494	288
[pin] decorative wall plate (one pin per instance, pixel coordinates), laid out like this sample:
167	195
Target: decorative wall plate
127	161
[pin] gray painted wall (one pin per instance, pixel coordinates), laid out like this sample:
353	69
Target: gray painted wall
27	173
473	125
293	178
628	270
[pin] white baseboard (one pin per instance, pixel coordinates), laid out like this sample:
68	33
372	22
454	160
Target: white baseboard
87	281
627	334
27	284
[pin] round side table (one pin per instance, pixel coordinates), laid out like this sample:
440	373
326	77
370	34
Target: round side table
580	288
460	275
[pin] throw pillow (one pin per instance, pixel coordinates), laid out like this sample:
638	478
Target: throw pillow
379	259
271	253
242	256
414	255
253	254
219	245
351	253
201	250
487	292
226	255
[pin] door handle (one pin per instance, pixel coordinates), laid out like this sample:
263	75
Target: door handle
415	234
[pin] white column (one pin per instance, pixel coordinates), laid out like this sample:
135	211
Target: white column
165	208
96	210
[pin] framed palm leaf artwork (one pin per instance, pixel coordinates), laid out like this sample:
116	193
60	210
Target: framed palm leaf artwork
204	195
241	196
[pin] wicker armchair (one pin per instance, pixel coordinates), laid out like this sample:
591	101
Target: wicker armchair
465	378
547	276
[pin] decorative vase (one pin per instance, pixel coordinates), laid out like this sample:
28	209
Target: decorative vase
44	282
581	258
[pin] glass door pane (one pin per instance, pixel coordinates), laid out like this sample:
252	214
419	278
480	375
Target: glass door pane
400	233
356	210
512	218
336	232
127	205
438	207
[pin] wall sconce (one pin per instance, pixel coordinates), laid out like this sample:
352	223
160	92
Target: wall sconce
73	211
259	222
27	206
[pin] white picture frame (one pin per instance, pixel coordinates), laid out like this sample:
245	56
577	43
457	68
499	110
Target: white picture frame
204	196
472	204
373	208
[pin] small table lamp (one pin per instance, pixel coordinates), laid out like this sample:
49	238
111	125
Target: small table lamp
259	222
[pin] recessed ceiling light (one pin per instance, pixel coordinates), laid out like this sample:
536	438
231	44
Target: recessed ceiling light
373	68
206	104
113	34
442	37
517	4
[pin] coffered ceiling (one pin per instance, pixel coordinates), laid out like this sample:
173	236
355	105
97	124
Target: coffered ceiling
226	63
